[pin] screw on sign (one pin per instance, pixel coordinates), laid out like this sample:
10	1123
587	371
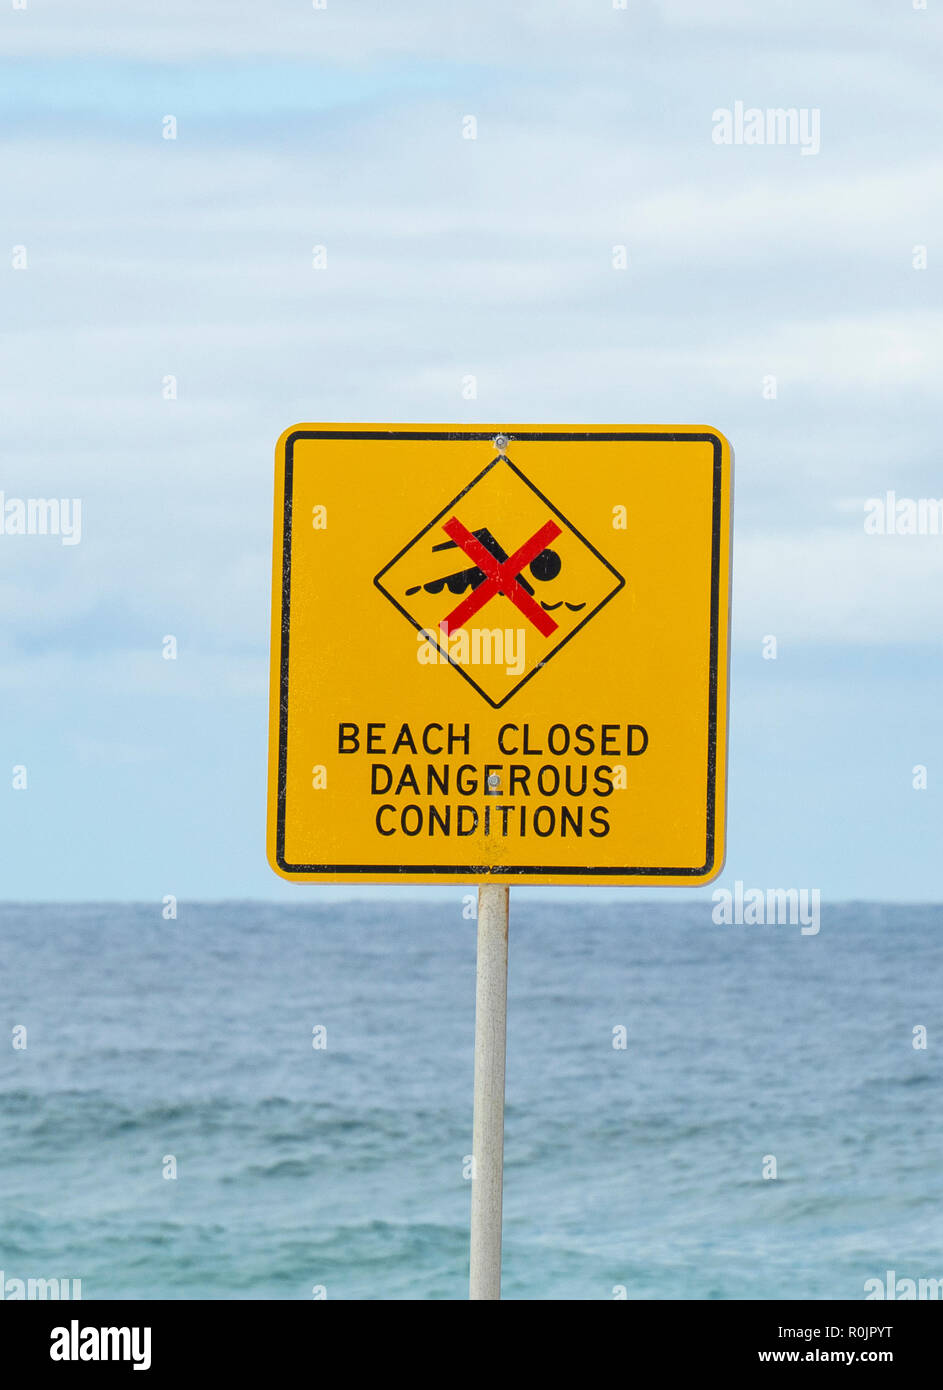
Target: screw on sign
525	680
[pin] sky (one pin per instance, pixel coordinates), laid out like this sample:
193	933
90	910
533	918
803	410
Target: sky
447	257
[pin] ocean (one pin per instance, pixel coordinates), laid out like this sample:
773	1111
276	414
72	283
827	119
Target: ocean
186	1046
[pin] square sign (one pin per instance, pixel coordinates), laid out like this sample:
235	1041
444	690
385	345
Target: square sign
499	654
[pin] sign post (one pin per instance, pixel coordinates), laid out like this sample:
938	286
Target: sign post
499	656
488	1138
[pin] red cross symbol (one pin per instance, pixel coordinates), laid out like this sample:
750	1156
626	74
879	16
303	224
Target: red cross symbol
500	578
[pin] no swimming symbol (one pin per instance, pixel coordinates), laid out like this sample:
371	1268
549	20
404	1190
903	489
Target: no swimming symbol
575	580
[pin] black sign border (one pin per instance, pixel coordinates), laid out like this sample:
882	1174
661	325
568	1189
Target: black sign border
485	871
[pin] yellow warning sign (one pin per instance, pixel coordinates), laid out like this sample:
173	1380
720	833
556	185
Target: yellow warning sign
499	653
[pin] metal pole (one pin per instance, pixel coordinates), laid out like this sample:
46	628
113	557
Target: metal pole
488	1137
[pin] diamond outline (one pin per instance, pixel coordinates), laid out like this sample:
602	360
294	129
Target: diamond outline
501	458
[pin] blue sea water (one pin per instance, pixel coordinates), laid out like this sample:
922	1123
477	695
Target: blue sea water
342	1167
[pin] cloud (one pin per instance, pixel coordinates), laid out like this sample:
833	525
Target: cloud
446	258
839	586
491	30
